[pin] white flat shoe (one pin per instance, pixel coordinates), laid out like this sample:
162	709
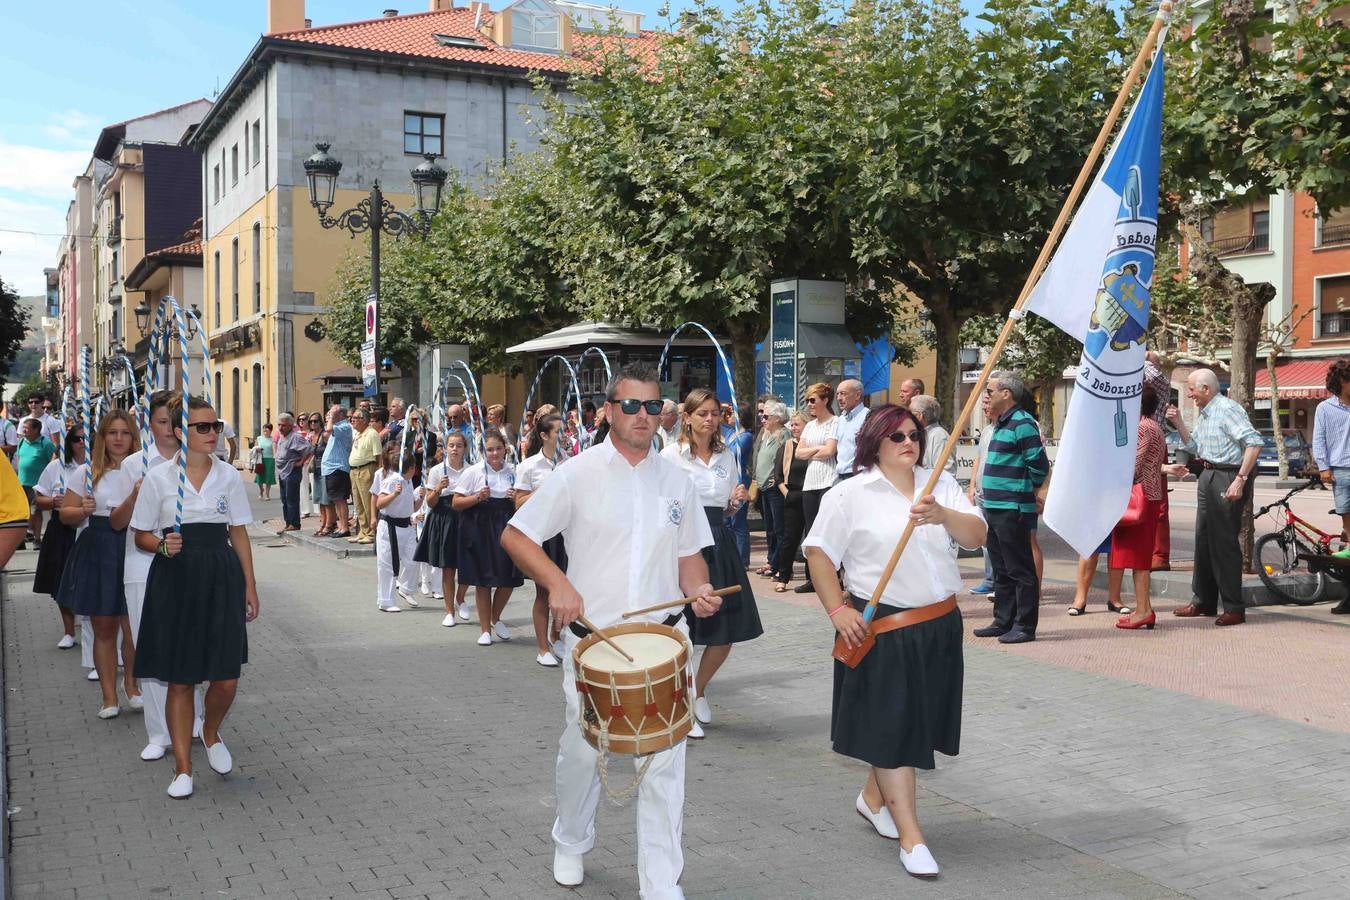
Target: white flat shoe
437	595
485	640
568	869
136	702
181	787
408	598
463	610
547	659
503	633
92	676
881	819
219	757
702	711
109	712
449	620
696	732
152	752
67	641
919	862
390	609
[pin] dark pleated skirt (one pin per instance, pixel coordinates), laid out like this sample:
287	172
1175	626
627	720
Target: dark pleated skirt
738	618
439	543
91	581
482	561
192	624
51	562
903	701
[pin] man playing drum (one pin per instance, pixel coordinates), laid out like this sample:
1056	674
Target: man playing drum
635	522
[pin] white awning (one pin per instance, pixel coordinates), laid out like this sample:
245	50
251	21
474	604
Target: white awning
584	334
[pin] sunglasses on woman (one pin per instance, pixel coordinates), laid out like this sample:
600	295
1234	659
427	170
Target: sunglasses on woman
630	407
207	427
899	437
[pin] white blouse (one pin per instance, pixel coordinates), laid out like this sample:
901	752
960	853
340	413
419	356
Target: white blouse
820	472
451	476
531	473
49	484
387	483
713	480
110	491
221	500
859	524
499	481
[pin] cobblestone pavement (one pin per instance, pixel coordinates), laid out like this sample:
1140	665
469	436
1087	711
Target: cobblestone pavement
387	755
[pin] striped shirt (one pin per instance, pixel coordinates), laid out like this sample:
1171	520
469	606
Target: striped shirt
1222	432
1331	434
1016	464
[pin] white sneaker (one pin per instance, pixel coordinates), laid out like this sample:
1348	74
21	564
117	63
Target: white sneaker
424	588
702	711
181	787
919	862
503	633
547	659
568	869
390	609
449	620
136	702
485	640
92	676
110	712
153	752
463	610
218	755
67	641
407	598
437	595
696	732
881	819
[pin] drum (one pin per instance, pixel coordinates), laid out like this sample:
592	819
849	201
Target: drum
636	707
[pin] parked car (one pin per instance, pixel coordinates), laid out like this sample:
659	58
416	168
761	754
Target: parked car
1296	451
1173	440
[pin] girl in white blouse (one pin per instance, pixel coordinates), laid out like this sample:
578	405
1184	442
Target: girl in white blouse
393	498
439	544
541	458
702	453
91	584
49	493
902	702
483	494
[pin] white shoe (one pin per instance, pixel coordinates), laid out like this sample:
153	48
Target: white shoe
696	732
485	640
153	752
437	595
181	787
67	641
702	711
109	712
547	659
463	610
568	869
92	676
881	819
196	728
503	633
919	862
136	702
390	609
449	620
424	588
407	598
218	755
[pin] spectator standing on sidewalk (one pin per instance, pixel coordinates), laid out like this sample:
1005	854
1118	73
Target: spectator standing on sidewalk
742	444
1160	385
337	478
985	587
362	460
818	445
852	414
768	463
1226	447
291	450
928	411
1015	468
1331	442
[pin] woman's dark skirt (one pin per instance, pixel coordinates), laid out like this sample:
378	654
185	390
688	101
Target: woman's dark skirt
439	544
91	582
738	618
903	701
482	561
51	562
192	624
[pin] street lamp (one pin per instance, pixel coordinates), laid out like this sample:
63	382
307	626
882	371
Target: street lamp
374	214
142	313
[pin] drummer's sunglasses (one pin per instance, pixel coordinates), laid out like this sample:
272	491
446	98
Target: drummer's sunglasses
208	427
899	437
630	407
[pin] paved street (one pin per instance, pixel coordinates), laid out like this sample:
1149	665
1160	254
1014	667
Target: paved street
387	755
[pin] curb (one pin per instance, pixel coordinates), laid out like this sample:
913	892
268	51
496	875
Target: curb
337	549
1254	593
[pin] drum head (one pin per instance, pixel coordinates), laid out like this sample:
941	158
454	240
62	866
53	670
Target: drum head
648	650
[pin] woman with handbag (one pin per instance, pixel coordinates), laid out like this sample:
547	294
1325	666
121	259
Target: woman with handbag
1133	538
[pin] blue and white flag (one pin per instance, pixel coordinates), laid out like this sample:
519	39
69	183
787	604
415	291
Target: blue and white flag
1096	288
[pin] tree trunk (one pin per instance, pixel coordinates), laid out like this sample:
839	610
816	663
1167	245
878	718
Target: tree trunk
1282	460
947	331
743	333
1045	412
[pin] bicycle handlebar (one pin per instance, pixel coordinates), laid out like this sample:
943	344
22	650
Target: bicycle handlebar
1315	481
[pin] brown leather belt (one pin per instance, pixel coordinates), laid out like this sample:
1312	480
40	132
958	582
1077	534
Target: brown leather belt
1218	467
907	617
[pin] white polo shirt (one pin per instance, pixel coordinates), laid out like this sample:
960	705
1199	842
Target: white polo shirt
626	528
714	480
221	500
499	481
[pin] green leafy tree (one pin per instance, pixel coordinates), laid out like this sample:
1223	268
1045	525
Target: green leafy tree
14	326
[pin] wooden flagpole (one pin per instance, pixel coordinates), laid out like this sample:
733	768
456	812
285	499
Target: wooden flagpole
841	651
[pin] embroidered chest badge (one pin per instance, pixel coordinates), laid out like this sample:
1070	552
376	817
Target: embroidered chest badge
222	505
675	511
720	471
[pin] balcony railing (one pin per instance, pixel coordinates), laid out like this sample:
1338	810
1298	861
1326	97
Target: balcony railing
115	232
1249	243
1334	324
1334	234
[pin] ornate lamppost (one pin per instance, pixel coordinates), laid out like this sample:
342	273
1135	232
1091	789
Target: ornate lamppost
375	215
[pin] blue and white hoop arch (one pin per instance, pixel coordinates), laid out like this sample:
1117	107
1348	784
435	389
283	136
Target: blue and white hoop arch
475	431
576	388
721	357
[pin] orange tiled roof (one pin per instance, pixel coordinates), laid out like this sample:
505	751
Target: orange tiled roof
187	248
415	35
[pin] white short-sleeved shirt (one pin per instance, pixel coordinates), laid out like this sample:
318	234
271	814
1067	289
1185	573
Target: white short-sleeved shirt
386	483
51	427
49	483
535	470
451	476
136	562
714	480
820	473
626	528
223	445
111	489
222	499
499	481
859	524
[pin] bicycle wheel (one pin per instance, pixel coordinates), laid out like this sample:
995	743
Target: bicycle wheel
1284	574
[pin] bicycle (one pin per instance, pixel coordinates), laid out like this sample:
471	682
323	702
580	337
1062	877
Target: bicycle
1277	554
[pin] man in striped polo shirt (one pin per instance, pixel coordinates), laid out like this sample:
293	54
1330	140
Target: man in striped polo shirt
1015	469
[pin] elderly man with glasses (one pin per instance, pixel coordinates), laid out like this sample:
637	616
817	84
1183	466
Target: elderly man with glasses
363	460
291	450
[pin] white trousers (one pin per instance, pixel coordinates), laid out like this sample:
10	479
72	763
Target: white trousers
155	693
660	799
87	641
384	563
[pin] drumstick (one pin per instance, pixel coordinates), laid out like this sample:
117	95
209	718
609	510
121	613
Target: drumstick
596	631
720	592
